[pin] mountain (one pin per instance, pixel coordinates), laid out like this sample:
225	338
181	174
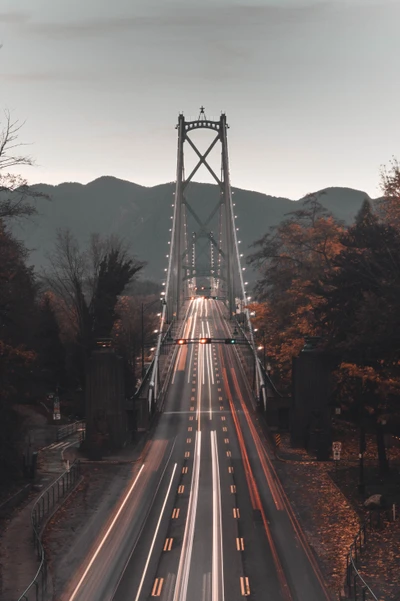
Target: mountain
142	216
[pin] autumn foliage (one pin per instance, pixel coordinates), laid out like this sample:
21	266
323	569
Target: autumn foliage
320	278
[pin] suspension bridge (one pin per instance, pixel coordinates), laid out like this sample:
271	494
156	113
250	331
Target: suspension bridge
205	517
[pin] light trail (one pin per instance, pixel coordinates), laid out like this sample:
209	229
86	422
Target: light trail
253	489
182	577
218	593
200	371
210	369
192	335
277	497
155	534
128	494
186	331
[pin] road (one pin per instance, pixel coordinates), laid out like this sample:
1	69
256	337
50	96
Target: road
205	517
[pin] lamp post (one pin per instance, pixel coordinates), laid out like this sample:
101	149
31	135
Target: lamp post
263	346
144	309
361	481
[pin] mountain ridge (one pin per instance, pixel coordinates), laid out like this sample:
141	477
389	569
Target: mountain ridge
142	214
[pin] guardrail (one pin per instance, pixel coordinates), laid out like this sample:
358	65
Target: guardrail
41	510
356	586
69	429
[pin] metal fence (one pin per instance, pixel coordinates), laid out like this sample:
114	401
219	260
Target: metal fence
41	510
356	586
69	429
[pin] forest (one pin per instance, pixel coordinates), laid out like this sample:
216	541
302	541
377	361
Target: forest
341	285
50	320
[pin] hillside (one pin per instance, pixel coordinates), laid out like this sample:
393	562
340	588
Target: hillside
142	216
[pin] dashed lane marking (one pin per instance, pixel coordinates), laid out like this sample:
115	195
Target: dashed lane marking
236	513
185	470
168	544
190	428
157	588
181	489
228	454
187	454
224	429
175	513
239	544
226	440
188	440
244	586
230	469
233	488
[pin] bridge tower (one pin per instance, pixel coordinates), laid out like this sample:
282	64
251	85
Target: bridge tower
210	226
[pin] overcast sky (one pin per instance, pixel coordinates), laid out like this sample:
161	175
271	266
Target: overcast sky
311	89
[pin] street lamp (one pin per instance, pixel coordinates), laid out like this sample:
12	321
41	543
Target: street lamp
144	309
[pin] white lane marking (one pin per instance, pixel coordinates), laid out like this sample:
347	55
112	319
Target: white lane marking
192	335
206	596
218	593
182	577
155	534
128	494
169	586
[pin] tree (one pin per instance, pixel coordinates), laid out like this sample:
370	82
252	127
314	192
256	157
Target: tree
361	295
89	283
50	349
17	357
388	207
292	258
15	195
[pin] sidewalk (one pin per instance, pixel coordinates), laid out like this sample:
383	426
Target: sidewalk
326	516
18	560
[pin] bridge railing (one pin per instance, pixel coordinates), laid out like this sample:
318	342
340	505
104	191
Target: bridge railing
257	377
42	509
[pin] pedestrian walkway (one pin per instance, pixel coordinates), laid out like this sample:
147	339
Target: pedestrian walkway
52	459
18	560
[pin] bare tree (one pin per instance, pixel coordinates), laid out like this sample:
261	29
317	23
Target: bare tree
86	279
16	197
67	278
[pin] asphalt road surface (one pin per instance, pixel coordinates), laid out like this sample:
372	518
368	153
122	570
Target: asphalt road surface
205	517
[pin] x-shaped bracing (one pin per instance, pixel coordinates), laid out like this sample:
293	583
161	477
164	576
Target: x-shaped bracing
202	161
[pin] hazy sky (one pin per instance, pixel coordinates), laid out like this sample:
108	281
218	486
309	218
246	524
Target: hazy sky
311	89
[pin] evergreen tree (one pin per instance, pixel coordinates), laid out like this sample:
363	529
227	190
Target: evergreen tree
51	351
